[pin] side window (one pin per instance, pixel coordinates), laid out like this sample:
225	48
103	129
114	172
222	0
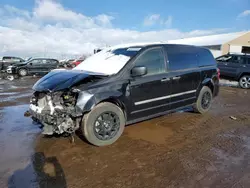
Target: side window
44	61
182	57
35	61
238	59
16	59
205	58
153	60
248	60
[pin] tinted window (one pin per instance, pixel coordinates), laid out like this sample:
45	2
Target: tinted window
51	61
35	61
16	59
6	58
248	60
153	60
181	57
238	59
205	57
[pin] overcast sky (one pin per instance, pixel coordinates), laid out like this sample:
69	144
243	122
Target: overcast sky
74	27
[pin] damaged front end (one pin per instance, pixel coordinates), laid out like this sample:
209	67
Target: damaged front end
60	110
56	112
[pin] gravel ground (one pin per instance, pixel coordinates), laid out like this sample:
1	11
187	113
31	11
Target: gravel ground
182	149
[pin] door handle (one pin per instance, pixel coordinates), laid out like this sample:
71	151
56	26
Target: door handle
176	78
165	79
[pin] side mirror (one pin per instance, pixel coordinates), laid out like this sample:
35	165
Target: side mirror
138	71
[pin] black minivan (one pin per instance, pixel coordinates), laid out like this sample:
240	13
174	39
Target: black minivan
122	85
33	66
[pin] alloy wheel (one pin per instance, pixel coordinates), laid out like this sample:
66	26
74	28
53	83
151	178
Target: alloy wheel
106	126
245	82
206	100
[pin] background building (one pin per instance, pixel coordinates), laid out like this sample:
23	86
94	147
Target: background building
220	44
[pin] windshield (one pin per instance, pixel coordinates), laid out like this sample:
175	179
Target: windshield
224	58
109	61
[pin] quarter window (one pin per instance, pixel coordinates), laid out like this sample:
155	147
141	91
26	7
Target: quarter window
153	60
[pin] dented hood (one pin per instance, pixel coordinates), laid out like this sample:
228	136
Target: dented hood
62	79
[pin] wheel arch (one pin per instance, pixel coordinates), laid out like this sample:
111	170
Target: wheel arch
209	83
242	74
20	68
105	97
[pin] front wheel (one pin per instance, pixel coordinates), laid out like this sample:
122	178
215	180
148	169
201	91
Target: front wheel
104	124
22	72
204	101
245	82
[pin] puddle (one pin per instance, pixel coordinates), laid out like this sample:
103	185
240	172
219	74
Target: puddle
20	165
8	93
149	131
11	98
16	146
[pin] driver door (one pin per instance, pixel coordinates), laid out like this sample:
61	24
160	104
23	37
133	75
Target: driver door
149	93
34	66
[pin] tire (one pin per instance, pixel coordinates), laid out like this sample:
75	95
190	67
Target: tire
204	101
22	72
245	82
91	126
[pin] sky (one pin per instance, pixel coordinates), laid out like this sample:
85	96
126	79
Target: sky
63	28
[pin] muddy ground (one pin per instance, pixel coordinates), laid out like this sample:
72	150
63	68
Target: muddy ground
183	149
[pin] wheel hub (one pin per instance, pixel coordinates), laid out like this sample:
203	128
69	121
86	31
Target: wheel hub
245	82
206	100
106	126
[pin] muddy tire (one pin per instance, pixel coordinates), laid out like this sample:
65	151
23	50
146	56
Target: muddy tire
245	82
204	101
104	124
22	72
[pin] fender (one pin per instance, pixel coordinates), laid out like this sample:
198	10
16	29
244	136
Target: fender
112	96
213	83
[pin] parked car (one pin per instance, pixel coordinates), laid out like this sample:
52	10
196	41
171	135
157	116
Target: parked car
33	66
66	63
75	63
123	85
9	60
235	67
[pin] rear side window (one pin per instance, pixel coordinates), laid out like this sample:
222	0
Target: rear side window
205	58
238	59
181	57
248	60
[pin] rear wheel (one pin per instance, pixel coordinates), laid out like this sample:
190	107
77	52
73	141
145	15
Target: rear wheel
104	124
22	72
204	101
245	82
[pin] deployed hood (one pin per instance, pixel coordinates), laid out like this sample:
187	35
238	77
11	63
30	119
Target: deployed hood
62	79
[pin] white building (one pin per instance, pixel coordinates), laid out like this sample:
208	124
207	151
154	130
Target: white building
220	44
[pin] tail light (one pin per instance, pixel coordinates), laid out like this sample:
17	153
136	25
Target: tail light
218	73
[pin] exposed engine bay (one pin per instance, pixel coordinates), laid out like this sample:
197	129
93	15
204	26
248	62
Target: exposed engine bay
55	111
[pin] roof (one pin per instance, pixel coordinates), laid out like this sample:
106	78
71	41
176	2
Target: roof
210	40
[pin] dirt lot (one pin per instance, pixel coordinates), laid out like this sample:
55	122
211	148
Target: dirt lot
183	149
